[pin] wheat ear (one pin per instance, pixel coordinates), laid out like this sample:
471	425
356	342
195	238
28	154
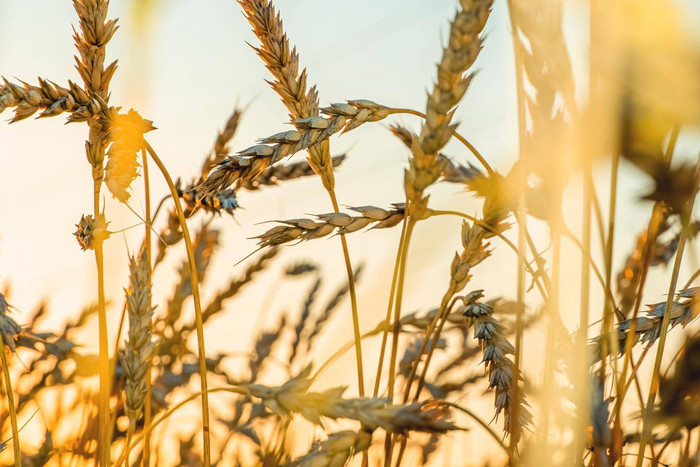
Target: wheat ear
140	345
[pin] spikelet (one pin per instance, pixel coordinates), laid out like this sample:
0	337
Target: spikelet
91	231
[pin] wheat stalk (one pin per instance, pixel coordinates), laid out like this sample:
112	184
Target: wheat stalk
95	33
9	330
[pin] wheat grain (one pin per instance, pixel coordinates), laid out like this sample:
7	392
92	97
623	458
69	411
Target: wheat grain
96	32
300	268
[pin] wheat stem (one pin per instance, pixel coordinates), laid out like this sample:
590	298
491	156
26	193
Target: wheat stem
353	303
389	307
652	231
521	219
410	224
206	445
147	240
203	394
104	366
428	339
581	362
10	404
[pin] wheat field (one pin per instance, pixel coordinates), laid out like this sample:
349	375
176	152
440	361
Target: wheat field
260	232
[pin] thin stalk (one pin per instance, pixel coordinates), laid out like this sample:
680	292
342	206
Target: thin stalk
147	240
635	369
441	315
692	278
410	224
397	309
523	235
10	405
127	447
489	169
580	356
656	374
598	211
206	444
608	309
519	330
389	307
341	351
113	363
104	366
353	303
657	457
402	450
553	311
588	260
652	230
